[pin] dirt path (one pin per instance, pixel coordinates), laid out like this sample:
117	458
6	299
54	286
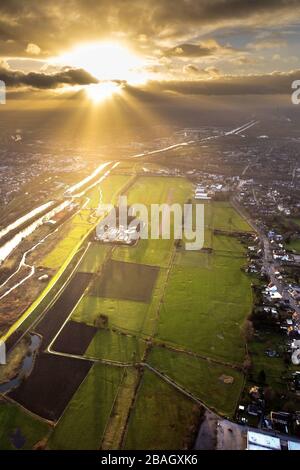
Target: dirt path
113	434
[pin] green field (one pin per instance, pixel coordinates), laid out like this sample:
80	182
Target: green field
274	367
123	314
227	219
197	259
222	243
94	258
18	429
80	224
107	191
83	422
150	252
154	190
161	418
137	318
212	301
64	247
294	245
202	378
296	220
158	190
113	346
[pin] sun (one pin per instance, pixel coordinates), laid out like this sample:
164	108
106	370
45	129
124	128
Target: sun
109	62
101	91
106	61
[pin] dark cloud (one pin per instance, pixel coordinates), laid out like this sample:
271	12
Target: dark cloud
277	83
209	48
55	24
192	69
190	50
16	78
208	82
169	34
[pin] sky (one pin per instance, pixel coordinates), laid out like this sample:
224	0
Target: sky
148	48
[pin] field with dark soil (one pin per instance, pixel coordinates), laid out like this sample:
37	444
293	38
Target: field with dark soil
128	281
61	309
74	338
51	385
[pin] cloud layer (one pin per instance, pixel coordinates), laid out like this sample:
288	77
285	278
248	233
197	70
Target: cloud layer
16	78
53	25
192	46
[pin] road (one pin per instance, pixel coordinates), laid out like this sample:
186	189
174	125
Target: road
269	264
235	131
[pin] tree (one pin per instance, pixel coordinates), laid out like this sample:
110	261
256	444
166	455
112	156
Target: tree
262	377
102	321
247	330
247	364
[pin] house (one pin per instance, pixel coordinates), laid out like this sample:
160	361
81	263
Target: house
200	193
202	196
254	410
275	296
261	441
293	445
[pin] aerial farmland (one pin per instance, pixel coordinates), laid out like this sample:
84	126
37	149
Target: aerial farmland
137	337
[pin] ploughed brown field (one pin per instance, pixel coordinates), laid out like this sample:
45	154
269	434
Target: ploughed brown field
127	281
74	338
61	309
51	385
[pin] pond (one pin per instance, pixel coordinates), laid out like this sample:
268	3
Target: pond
26	367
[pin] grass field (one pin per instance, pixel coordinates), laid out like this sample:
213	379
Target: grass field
123	314
274	367
199	259
107	190
153	190
93	258
59	254
200	377
18	429
114	346
83	422
227	219
294	245
150	252
80	225
212	301
222	243
161	418
158	190
296	220
137	318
